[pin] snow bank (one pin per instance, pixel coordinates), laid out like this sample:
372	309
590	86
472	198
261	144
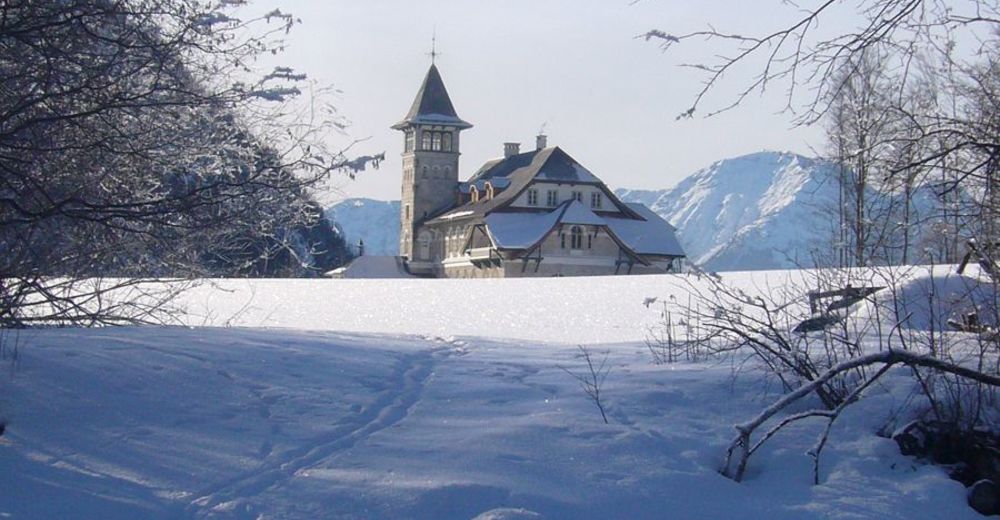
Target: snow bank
927	302
583	310
404	401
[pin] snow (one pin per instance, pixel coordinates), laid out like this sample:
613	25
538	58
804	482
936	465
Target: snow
520	230
653	236
766	210
457	214
422	399
374	221
577	213
955	295
756	211
371	266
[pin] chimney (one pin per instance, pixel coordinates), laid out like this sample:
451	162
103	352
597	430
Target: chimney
510	149
541	141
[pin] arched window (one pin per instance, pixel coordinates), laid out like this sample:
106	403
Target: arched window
425	140
474	194
423	172
446	141
436	146
489	191
576	238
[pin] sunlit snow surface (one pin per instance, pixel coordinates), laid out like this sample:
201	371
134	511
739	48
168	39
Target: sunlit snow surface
431	399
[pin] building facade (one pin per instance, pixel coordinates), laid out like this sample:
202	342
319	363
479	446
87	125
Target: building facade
534	213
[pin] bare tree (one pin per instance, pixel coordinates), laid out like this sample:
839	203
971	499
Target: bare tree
742	448
592	380
834	342
860	121
132	144
956	136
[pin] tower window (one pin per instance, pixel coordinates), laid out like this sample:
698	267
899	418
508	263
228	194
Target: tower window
410	137
436	141
532	197
424	244
552	198
576	238
425	140
406	213
595	199
446	141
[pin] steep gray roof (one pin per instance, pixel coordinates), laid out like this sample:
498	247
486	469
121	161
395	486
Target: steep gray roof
432	104
516	172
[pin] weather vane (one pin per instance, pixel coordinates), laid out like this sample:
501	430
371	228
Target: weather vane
434	53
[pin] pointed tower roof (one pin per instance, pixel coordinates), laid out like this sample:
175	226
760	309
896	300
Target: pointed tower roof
432	105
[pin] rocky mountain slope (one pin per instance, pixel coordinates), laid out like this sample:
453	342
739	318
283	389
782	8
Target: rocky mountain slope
374	221
759	211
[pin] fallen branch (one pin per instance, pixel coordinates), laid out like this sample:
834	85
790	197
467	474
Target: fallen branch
740	449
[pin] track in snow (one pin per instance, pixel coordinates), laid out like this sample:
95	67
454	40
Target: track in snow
230	498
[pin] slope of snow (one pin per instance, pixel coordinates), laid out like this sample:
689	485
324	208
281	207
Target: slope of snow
374	221
451	400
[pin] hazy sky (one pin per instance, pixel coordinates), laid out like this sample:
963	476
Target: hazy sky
576	66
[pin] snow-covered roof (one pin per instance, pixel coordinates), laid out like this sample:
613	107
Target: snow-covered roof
455	214
371	266
520	230
577	213
652	236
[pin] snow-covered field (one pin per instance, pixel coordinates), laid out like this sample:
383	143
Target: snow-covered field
432	399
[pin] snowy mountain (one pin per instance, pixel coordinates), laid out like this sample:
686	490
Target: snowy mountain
770	210
374	221
759	211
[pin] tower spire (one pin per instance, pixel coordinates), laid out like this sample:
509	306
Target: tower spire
434	53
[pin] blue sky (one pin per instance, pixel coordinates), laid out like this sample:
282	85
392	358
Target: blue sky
606	97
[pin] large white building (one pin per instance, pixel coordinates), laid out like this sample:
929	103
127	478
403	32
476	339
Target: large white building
535	213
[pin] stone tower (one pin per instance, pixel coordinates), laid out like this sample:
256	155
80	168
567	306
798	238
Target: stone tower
430	160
